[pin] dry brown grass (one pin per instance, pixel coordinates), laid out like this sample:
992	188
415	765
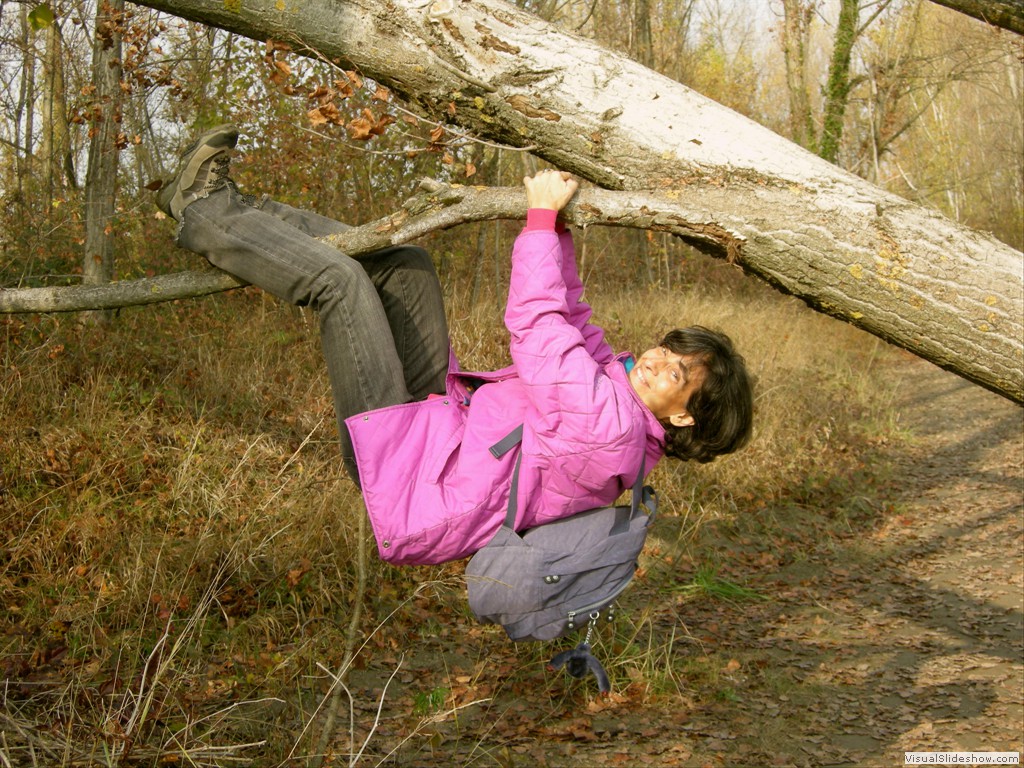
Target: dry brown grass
178	564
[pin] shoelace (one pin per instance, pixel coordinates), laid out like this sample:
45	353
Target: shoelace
218	173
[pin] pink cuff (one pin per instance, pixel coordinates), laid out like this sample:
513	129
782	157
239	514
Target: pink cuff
540	219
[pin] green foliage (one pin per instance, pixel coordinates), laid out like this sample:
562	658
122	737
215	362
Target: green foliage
41	16
731	79
429	702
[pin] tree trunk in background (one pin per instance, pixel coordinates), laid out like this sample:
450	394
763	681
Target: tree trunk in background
26	97
55	148
1006	14
796	26
847	248
837	90
643	45
105	123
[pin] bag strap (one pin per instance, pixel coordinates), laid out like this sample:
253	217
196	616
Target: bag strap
642	494
508	442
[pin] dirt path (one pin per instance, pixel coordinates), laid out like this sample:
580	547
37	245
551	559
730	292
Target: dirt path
903	633
909	636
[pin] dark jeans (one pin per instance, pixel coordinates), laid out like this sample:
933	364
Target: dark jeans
382	321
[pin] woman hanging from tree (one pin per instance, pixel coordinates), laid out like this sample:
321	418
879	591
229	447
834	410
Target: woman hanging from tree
416	430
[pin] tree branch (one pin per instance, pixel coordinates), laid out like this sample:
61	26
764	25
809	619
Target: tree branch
435	207
128	293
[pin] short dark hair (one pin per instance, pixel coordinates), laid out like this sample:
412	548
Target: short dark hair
723	407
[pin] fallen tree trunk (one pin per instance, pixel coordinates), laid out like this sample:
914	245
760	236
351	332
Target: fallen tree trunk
849	249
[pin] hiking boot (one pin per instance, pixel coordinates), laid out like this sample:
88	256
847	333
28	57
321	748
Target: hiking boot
203	169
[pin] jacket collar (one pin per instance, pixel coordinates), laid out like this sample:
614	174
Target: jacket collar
617	372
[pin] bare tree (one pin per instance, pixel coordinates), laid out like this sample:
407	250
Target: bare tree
941	82
55	150
105	119
796	27
22	116
643	44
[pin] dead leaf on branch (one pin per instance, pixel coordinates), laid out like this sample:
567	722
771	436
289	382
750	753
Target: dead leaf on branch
323	94
276	45
360	129
354	78
368	125
326	113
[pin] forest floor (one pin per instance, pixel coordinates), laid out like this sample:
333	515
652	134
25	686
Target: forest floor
900	630
868	603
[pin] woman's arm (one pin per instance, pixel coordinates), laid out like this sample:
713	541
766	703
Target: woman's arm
566	385
579	310
546	194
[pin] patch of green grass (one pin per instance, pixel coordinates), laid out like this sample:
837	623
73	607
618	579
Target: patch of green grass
728	695
429	702
707	583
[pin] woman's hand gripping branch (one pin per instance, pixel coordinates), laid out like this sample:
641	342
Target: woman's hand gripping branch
550	189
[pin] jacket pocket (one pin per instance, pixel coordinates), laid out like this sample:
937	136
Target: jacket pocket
444	455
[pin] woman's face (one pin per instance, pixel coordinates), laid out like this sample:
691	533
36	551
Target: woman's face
665	381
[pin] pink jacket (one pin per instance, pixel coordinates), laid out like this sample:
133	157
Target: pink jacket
433	490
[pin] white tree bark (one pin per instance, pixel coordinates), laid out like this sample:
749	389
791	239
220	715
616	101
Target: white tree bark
849	249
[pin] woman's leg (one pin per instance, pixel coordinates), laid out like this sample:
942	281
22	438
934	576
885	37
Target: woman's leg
410	292
406	282
363	363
